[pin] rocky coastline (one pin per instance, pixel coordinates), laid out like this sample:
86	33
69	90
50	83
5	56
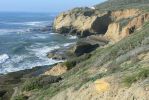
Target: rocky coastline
108	61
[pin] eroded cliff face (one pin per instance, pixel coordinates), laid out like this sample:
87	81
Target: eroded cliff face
81	24
114	25
127	13
125	24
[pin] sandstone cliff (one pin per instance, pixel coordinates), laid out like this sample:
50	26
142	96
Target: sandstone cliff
115	25
126	23
118	71
113	72
81	24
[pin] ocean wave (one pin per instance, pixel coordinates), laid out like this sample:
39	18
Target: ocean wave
68	44
53	33
41	52
72	37
38	52
9	31
39	36
21	62
9	67
38	23
32	23
3	58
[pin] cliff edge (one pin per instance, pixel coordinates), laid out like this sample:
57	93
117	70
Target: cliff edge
114	24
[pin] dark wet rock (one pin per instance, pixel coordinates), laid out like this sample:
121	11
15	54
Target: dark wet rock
41	29
87	45
82	22
60	54
2	93
56	56
14	79
83	47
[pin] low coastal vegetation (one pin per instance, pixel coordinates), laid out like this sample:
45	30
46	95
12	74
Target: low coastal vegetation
115	69
76	60
21	97
39	82
123	4
101	63
140	75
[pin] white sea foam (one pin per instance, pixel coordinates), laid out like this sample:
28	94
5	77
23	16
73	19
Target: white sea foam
26	65
9	31
32	23
72	37
3	58
42	51
39	36
21	62
53	33
15	63
68	44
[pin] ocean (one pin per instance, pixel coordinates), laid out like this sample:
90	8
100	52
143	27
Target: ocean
21	48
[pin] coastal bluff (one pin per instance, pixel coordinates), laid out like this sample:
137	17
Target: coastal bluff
113	25
109	61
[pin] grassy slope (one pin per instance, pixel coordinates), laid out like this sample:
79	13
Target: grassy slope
122	4
108	56
113	57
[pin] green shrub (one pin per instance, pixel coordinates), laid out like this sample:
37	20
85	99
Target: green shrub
72	63
31	84
122	4
69	64
21	97
39	82
142	74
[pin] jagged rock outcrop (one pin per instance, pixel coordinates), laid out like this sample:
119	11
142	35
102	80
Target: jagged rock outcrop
81	24
82	47
114	24
57	70
118	30
124	14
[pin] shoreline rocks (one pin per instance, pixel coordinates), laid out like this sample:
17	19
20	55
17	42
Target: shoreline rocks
14	79
56	70
82	46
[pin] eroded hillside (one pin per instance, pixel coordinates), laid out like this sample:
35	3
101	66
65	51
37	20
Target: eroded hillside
118	71
114	25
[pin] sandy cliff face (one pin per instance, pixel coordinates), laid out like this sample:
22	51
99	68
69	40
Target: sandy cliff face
116	31
57	70
82	25
115	25
121	14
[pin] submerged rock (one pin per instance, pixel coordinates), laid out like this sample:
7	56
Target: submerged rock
14	79
41	29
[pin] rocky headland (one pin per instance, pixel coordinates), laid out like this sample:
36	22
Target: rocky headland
110	60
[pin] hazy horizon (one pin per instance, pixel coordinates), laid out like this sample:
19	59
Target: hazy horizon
44	6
